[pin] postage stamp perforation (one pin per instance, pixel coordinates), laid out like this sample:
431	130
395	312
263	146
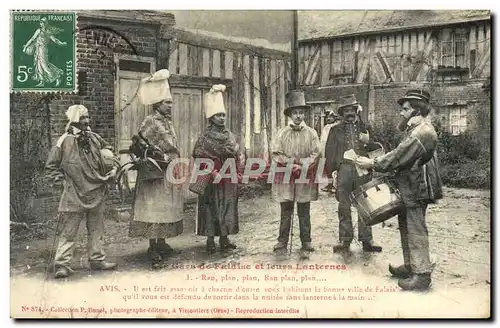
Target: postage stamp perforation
74	32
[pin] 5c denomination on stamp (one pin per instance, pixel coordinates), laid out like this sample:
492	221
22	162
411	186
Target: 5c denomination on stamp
43	51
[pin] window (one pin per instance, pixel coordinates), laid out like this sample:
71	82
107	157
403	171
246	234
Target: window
342	58
453	44
458	119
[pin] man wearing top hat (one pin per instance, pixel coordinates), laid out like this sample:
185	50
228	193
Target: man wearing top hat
292	143
80	160
347	135
417	177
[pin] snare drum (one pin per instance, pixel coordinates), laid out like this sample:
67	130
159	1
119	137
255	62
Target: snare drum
377	201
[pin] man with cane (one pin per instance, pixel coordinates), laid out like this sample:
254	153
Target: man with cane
84	162
295	149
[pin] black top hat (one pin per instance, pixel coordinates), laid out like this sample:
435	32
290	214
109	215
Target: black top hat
295	99
415	94
346	101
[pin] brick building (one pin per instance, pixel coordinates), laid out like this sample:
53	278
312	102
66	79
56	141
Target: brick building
115	50
378	55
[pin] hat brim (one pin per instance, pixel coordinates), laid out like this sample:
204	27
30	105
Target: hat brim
401	101
340	109
287	110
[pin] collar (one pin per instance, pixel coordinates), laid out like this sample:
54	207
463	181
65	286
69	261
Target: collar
76	130
416	120
298	127
159	116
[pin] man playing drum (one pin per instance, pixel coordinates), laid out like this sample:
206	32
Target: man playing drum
347	135
417	177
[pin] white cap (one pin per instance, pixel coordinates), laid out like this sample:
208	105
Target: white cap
214	101
74	113
155	88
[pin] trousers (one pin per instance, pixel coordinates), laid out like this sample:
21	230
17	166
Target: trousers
70	224
347	181
304	210
415	239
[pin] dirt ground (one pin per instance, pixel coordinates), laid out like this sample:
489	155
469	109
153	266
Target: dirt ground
459	228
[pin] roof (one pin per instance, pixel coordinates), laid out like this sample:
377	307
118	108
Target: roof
139	16
326	24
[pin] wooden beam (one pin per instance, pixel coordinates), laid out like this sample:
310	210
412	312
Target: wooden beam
325	63
365	62
206	62
423	56
406	55
385	66
229	64
183	59
197	81
482	62
257	89
221	44
216	64
313	63
247	94
172	61
273	84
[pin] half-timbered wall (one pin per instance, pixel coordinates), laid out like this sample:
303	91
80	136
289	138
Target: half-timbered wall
258	78
404	56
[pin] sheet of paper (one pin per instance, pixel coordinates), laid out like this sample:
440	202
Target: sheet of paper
351	155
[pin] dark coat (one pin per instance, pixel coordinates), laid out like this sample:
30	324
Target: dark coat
415	164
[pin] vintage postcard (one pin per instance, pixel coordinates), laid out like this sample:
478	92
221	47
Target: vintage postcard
250	164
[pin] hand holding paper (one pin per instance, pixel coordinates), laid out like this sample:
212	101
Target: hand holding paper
352	156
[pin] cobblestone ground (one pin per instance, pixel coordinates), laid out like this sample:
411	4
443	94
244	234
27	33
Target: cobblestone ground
459	228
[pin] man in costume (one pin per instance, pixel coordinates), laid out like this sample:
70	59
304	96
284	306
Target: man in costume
344	137
294	142
80	159
417	177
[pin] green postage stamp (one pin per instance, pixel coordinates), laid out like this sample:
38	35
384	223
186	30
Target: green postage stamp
43	51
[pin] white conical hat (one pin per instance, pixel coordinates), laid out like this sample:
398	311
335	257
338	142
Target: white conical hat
214	101
155	88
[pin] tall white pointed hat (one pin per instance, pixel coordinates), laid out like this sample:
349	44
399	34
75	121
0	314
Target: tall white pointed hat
214	101
155	88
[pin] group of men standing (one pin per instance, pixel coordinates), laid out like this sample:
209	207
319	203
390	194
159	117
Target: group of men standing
83	160
413	164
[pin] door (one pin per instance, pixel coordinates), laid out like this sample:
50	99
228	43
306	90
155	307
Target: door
189	122
129	112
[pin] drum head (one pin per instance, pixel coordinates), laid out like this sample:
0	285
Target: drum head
383	214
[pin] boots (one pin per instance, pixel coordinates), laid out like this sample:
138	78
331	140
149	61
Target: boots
154	254
165	249
225	243
343	246
368	246
102	265
307	246
280	246
402	271
417	282
211	245
61	272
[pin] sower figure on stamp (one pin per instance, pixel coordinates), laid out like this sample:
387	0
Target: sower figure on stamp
81	160
38	46
417	177
294	143
217	207
348	135
158	204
